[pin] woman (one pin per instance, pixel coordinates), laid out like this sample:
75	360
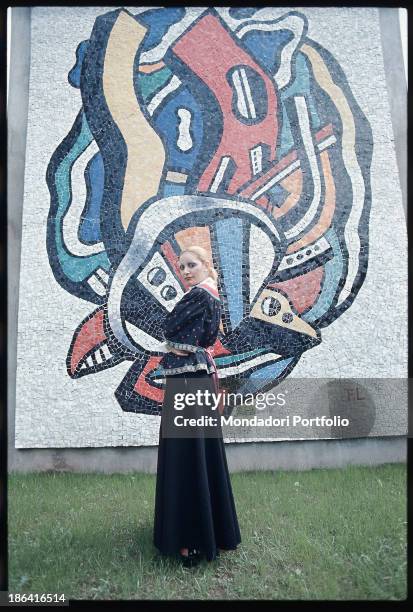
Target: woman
195	512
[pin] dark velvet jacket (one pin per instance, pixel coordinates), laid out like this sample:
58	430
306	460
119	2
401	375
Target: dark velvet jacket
192	326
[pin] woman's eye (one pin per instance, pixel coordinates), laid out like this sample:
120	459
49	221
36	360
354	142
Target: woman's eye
191	265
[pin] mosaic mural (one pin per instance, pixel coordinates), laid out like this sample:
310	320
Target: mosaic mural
221	127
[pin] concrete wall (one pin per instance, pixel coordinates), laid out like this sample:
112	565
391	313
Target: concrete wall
263	455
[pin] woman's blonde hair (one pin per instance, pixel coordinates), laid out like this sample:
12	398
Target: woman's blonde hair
203	256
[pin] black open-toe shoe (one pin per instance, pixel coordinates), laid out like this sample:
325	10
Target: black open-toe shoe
191	559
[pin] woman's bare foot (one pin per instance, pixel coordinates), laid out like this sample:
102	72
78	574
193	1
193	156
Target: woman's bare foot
184	551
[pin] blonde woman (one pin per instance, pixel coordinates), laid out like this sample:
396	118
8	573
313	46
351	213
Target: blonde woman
195	513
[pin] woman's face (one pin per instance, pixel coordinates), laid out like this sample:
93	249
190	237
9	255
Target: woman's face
192	269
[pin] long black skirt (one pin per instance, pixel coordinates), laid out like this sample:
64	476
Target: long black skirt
194	503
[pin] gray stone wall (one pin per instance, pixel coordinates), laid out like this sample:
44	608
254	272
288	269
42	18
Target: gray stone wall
53	417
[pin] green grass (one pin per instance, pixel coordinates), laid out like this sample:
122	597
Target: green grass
336	534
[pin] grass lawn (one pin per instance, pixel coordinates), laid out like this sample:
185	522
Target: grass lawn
318	534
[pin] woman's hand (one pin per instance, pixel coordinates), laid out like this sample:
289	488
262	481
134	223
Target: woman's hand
179	352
